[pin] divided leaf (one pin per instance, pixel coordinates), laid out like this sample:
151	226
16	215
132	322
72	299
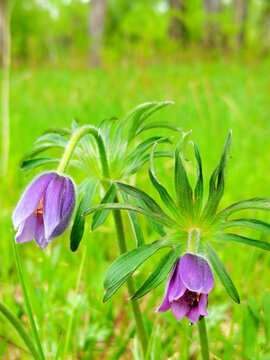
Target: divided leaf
164	195
159	273
79	220
248	223
100	217
243	240
125	265
198	191
182	186
134	221
222	273
217	181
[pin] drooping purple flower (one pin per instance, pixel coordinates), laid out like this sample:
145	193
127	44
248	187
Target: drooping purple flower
189	285
45	209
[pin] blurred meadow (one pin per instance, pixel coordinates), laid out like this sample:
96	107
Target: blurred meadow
91	60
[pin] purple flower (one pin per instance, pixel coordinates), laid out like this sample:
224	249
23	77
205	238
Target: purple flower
45	209
190	283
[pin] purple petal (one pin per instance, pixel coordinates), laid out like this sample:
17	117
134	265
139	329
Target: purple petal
180	309
165	303
196	274
31	198
193	314
39	234
203	304
176	286
68	199
26	230
53	205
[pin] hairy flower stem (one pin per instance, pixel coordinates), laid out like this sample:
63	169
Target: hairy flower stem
87	129
130	284
203	339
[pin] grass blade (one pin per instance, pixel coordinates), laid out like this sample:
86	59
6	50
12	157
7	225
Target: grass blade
24	334
27	303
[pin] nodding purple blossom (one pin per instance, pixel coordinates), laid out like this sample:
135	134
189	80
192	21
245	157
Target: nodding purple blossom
189	285
45	209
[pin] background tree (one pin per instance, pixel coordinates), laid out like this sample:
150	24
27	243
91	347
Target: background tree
97	21
212	9
241	7
177	27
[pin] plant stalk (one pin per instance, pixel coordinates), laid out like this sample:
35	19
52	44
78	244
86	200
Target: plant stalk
203	339
130	284
27	304
24	334
84	130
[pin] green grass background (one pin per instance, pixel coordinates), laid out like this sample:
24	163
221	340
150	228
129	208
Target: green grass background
209	98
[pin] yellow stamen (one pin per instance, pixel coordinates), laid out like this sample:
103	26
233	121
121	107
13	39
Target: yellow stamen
39	209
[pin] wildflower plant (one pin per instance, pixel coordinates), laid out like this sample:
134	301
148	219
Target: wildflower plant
191	227
104	154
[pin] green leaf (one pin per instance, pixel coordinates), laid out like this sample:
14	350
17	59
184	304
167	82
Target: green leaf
53	138
100	217
222	273
34	163
157	226
257	203
198	192
58	130
217	181
182	186
142	147
248	223
243	240
112	290
125	265
79	220
134	222
138	115
164	195
159	273
129	207
133	168
35	150
157	125
137	193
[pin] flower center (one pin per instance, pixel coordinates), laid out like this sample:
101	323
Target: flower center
192	298
39	211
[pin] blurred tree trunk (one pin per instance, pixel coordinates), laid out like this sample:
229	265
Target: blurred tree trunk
212	27
177	29
96	29
241	7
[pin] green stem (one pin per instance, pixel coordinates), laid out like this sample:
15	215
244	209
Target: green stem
130	284
71	319
203	339
27	303
20	329
84	130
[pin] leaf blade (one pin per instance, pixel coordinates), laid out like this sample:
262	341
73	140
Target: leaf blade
222	273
